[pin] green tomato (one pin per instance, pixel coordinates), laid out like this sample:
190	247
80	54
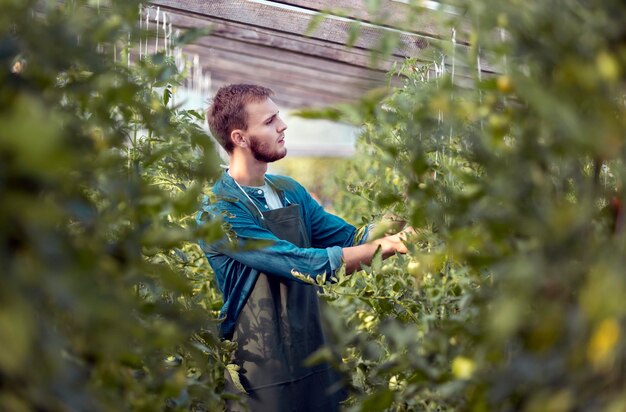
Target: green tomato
413	268
387	268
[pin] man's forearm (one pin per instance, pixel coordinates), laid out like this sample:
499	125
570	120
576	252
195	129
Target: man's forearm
354	256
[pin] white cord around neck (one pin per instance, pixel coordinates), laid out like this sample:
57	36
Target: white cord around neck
244	192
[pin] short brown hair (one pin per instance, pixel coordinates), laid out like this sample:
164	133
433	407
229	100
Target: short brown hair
228	110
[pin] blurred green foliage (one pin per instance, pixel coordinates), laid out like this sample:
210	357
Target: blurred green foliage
320	177
106	303
513	295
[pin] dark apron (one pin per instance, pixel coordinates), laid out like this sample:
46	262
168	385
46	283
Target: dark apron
278	328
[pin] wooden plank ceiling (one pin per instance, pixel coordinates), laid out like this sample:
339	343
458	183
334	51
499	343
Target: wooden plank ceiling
267	42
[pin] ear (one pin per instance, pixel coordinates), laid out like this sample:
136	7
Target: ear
237	137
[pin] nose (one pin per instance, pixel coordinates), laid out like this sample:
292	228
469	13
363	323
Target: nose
281	126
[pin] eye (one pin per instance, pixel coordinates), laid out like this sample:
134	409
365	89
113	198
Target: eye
269	121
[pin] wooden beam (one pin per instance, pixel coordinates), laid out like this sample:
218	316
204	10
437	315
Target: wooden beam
221	44
279	40
249	62
297	80
312	84
296	21
264	42
288	96
258	68
297	44
392	13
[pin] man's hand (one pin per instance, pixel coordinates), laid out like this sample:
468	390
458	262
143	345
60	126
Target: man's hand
389	224
354	256
395	243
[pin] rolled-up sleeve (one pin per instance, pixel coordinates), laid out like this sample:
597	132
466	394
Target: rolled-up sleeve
257	247
335	257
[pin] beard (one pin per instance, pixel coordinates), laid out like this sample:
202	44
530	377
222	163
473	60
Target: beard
263	153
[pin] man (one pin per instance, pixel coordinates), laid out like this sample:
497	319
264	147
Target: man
271	314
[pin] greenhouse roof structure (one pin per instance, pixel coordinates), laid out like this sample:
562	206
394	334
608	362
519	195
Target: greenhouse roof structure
278	43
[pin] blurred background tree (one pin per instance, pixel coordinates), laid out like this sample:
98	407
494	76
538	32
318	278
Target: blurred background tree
105	303
511	298
513	294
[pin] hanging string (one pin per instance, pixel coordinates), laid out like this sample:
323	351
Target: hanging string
442	65
197	73
480	78
504	56
168	40
164	17
156	38
147	26
605	174
437	71
441	74
450	157
453	52
140	29
197	81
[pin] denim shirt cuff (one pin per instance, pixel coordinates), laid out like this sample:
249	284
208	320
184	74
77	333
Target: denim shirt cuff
335	254
368	229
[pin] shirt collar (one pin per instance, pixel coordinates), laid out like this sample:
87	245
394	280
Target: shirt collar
228	179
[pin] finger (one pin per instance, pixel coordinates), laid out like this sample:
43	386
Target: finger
409	230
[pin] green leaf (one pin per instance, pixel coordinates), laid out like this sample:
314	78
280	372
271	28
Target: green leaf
324	113
167	94
354	31
377	261
373	6
194	113
314	23
377	401
181	255
233	372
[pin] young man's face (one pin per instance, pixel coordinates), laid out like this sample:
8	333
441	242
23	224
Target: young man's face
266	131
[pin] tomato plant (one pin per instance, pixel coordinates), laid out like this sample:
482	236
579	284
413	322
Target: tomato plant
511	180
106	303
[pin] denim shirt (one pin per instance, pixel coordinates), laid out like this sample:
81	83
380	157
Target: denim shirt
236	269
